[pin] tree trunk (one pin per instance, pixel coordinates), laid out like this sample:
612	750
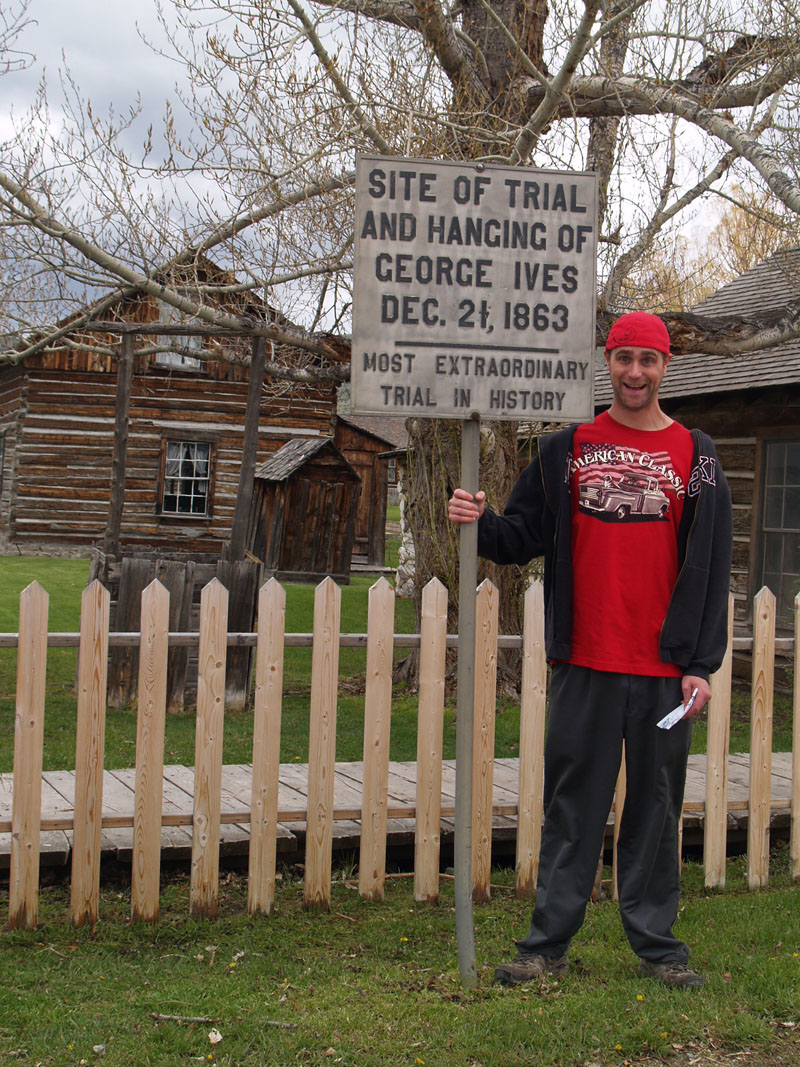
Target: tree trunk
434	471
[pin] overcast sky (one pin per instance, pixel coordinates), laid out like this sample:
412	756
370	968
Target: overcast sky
99	42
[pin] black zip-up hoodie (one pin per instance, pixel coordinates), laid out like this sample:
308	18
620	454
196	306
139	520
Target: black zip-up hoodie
537	521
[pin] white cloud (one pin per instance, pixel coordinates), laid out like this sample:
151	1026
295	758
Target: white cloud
99	43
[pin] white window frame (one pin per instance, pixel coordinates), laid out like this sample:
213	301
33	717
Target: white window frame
186	478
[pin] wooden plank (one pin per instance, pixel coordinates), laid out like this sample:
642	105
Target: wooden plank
266	748
505	800
178	787
118	819
237	783
89	750
430	725
346	825
120	453
738	780
487	612
176	813
531	742
293	793
55	846
150	723
204	886
240	578
349	778
377	724
322	743
178	579
23	889
234	816
715	829
135	575
761	738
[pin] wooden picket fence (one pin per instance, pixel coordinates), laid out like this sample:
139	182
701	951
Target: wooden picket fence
264	815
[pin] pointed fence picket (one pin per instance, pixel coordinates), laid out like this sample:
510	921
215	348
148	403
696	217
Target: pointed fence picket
322	743
208	749
375	805
761	738
430	724
28	745
377	719
150	723
531	741
89	749
266	747
486	615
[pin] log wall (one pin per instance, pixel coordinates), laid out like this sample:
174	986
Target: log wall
59	450
739	422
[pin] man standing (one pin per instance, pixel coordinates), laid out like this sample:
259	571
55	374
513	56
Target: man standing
632	514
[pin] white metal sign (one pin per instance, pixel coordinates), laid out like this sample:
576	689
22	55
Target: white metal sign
474	291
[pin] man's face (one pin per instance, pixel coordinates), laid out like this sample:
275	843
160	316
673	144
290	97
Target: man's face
636	374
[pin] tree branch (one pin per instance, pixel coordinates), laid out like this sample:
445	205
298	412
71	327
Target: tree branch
439	32
581	42
332	71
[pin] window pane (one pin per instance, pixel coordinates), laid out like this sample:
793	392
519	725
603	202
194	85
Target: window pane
773	553
791	509
780	532
773	582
785	604
773	508
775	465
791	554
793	463
186	479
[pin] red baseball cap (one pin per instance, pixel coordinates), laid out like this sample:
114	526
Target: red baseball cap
639	329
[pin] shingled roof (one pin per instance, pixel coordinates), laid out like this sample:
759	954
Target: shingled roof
768	286
291	457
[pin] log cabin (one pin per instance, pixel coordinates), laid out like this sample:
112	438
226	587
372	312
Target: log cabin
750	405
185	436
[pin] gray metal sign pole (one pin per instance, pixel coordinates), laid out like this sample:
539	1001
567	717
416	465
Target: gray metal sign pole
465	713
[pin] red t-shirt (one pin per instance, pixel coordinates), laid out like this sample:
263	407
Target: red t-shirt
628	488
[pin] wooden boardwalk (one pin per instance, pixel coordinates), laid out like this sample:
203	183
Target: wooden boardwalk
58	790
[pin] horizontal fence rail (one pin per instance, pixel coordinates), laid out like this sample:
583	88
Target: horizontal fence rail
373	807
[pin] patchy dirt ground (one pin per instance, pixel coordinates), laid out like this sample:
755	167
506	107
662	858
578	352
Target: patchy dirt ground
784	1053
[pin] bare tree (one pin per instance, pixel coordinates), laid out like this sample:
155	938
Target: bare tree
253	163
13	20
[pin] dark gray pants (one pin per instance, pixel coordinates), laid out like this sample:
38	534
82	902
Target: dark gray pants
590	714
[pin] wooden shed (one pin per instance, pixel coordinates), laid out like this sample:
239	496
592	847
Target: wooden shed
185	439
367	443
303	516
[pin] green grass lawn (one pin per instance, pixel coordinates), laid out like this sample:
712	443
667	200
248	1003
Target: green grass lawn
366	984
65	580
377	984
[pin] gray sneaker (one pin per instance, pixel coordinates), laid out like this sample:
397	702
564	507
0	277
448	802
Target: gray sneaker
530	965
672	973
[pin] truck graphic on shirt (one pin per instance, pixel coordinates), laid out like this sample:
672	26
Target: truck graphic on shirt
630	494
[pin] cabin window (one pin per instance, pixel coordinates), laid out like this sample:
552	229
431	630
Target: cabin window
186	479
193	342
780	525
